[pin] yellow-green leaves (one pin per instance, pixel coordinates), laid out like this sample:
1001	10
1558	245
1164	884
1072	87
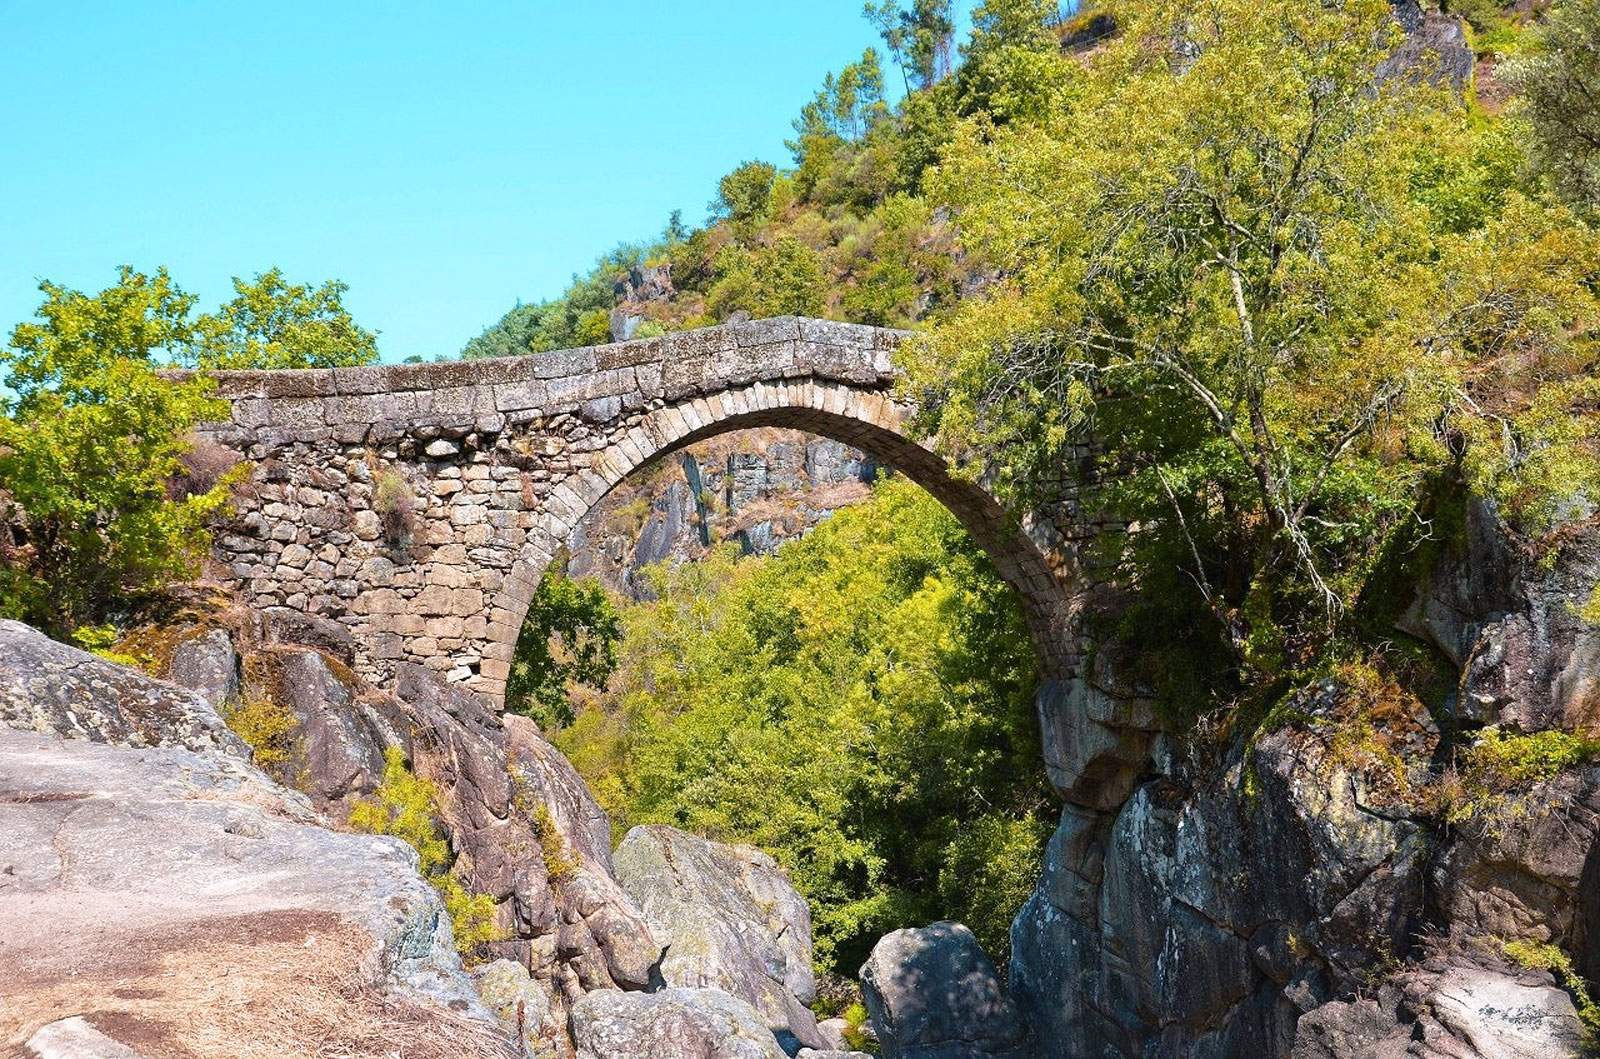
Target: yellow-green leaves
271	323
1232	255
90	448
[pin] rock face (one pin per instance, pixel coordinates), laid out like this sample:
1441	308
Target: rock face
933	994
1450	1008
179	900
47	686
670	1024
564	916
1207	916
1528	660
727	918
756	488
208	664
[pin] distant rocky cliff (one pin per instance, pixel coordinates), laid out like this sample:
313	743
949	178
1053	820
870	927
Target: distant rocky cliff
753	488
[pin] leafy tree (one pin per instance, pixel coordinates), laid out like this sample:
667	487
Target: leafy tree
1278	363
859	705
849	104
743	194
918	39
776	280
1563	103
90	442
271	323
1012	68
569	637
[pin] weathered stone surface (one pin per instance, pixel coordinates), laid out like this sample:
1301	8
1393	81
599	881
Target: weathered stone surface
523	1007
47	686
209	665
1539	666
183	894
1528	659
1449	1009
75	1038
933	994
286	625
1518	872
671	1024
338	743
728	918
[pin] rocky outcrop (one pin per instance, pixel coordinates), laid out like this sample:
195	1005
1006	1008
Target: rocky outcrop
1512	627
178	900
756	488
1538	666
670	1024
1451	1007
47	686
1434	49
1520	873
562	914
209	665
1097	729
728	918
933	994
1208	915
523	1007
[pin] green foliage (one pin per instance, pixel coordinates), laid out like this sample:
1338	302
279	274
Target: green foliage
558	863
580	317
918	38
568	638
395	505
1557	80
848	106
274	324
743	194
775	280
1489	774
859	705
404	807
1280	368
855	1021
472	916
1503	762
90	446
1590	610
268	728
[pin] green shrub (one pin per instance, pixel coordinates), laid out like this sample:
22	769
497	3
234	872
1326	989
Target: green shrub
859	705
403	807
395	504
1490	771
269	730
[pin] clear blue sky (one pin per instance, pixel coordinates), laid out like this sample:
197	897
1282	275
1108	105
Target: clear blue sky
443	159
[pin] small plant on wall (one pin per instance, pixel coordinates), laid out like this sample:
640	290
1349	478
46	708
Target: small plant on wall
396	506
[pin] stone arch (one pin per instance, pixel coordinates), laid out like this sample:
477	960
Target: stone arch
856	415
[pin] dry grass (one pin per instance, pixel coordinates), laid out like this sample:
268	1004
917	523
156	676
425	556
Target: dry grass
267	985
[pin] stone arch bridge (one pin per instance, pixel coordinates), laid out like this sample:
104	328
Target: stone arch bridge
410	510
